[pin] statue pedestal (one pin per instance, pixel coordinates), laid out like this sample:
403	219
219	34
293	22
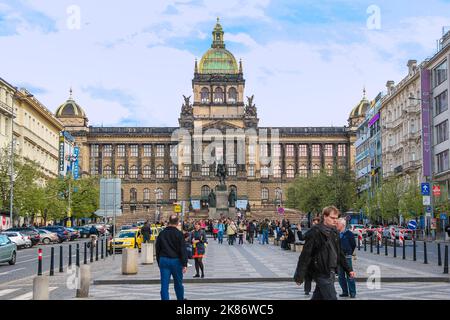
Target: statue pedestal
221	208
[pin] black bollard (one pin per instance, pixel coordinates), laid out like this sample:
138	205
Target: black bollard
446	260
96	250
414	250
61	267
395	248
404	249
70	255
378	246
52	261
439	254
78	255
365	244
385	247
359	244
91	258
39	262
425	257
101	255
85	253
106	248
371	245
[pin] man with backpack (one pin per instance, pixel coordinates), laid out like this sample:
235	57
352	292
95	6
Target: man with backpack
322	255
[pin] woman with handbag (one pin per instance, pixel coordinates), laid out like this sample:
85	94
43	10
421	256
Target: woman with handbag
199	242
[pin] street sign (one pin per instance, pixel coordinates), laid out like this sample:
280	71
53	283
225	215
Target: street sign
429	209
412	225
437	191
425	189
428	214
3	220
433	223
443	216
177	208
426	200
281	210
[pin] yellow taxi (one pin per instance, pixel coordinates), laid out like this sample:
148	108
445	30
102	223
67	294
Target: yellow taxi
130	238
156	229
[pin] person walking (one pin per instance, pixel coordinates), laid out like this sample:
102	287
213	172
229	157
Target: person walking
171	255
348	245
199	242
321	256
220	231
231	233
215	229
304	237
146	231
241	231
265	231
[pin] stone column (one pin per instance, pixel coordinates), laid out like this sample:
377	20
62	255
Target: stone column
100	159
322	155
113	159
309	159
296	155
127	149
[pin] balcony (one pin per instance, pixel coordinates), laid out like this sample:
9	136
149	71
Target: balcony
412	165
5	109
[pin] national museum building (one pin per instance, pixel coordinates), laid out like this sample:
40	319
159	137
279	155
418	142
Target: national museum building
156	172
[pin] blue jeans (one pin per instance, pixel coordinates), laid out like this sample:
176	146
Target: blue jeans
171	267
265	239
220	236
348	285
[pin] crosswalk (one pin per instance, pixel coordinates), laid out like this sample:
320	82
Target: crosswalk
19	294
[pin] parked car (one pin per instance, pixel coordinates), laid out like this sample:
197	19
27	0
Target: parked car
48	237
21	240
126	227
28	231
130	238
74	234
62	233
83	231
8	250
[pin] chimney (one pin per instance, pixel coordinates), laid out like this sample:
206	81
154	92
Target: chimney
412	66
390	86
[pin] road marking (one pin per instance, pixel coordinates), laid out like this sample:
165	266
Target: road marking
29	295
3	273
7	291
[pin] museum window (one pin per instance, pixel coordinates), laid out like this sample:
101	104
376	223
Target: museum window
146	194
342	150
94	150
303	150
316	170
329	169
121	150
263	150
160	150
316	150
133	195
133	172
121	171
186	171
251	170
290	173
205	170
264	194
204	95
107	171
289	150
232	95
173	172
173	194
147	172
276	150
218	95
265	172
159	172
441	103
328	150
174	152
278	194
205	192
107	150
303	171
252	153
159	194
94	169
134	150
277	171
147	150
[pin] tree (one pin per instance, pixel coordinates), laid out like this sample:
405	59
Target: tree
411	203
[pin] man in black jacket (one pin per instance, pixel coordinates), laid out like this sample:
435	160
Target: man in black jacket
321	256
171	255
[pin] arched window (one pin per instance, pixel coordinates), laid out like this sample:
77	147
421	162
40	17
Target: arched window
146	194
147	172
205	170
133	195
159	194
290	171
107	171
173	194
205	191
133	172
173	172
264	194
218	95
121	171
160	172
278	193
329	169
277	171
204	95
232	95
316	170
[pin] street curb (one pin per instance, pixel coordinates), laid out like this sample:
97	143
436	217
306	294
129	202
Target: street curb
254	280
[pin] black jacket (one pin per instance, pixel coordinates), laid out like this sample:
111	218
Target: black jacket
348	242
146	230
170	244
314	259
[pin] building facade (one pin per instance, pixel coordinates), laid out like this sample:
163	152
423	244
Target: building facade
7	92
401	136
161	166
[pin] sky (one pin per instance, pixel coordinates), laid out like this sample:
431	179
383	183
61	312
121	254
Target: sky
130	62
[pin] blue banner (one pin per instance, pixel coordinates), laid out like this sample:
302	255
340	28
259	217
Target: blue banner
76	152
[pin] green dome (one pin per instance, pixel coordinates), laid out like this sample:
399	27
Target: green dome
218	60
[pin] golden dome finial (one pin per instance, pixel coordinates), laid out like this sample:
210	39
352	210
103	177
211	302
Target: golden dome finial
70	93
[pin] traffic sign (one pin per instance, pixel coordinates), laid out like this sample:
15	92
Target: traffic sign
426	200
429	209
443	216
281	210
177	208
412	225
437	191
425	189
3	220
433	223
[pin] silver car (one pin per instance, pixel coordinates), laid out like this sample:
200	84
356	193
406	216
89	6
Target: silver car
8	250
